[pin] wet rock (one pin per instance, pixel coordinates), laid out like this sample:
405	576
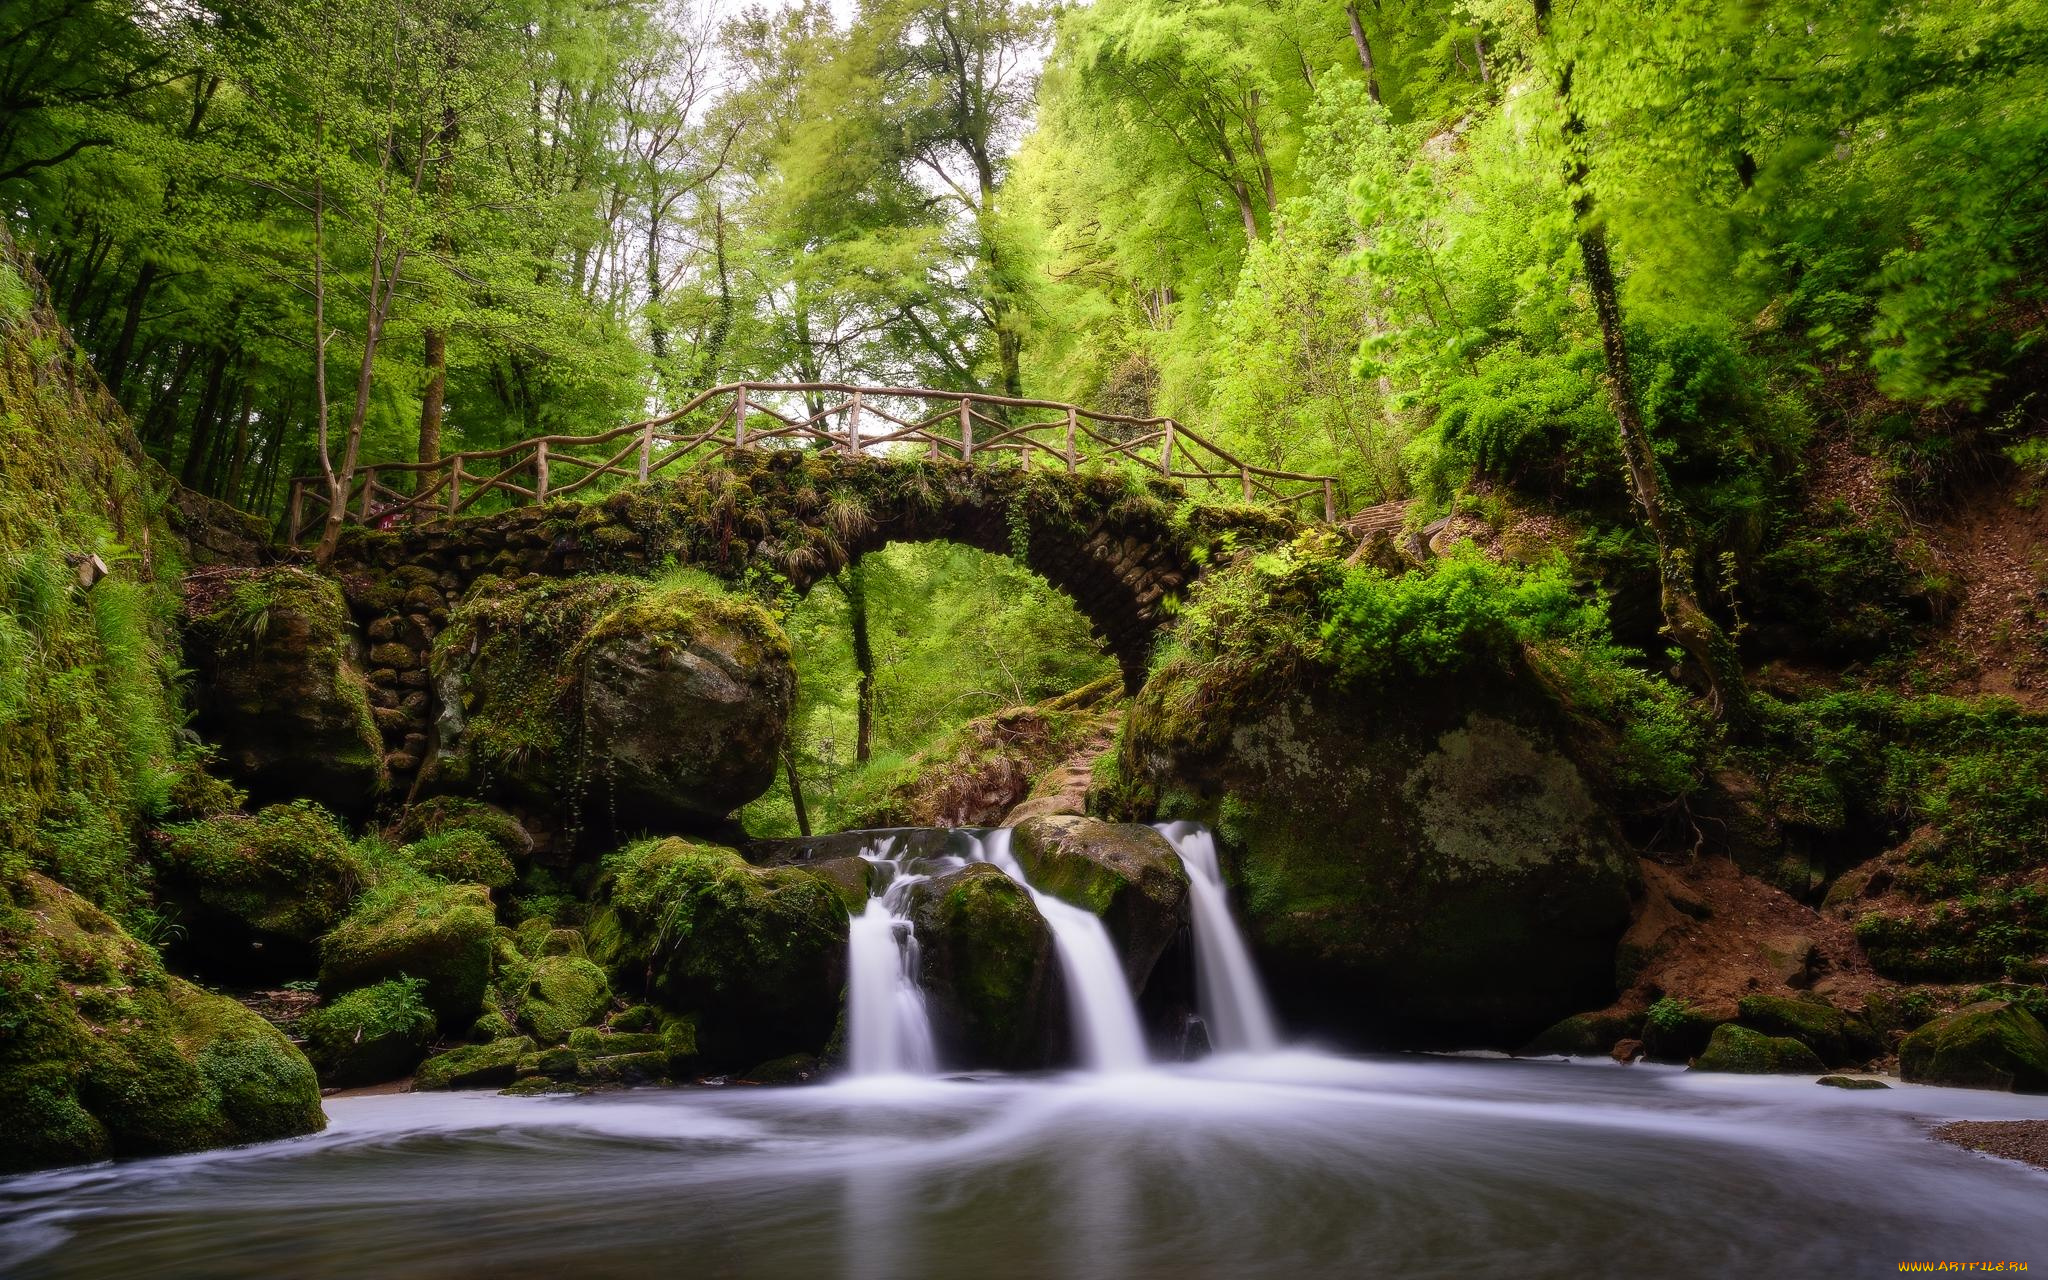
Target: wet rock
474	1066
1993	1044
1583	1035
278	686
1626	1052
1837	1037
1125	873
796	1068
1429	865
1851	1082
105	1054
757	954
1738	1049
988	971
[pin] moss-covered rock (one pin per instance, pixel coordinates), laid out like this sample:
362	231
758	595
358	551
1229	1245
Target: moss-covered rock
1853	1083
369	1035
562	992
103	1054
461	856
757	953
1583	1035
1677	1030
439	815
1427	864
665	704
474	1066
1838	1038
253	893
1125	873
1738	1049
987	969
279	686
438	933
1993	1044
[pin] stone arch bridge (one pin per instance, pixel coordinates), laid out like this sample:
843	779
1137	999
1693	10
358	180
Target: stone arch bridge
1120	545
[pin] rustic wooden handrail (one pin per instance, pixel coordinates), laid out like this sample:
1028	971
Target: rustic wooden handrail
756	415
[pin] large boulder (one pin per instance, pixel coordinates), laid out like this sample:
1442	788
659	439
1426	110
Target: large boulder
661	706
369	1035
988	971
278	686
104	1054
1424	865
252	894
417	928
1993	1044
1738	1049
562	993
1839	1038
1125	873
758	953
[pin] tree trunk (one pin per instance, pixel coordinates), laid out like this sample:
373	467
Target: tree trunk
855	590
435	398
1372	81
194	470
796	790
1688	623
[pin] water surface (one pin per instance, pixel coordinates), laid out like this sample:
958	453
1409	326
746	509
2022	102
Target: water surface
1280	1165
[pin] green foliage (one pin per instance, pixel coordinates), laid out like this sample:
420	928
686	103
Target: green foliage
1463	609
288	869
461	856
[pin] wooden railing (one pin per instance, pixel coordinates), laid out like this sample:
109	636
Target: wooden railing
966	426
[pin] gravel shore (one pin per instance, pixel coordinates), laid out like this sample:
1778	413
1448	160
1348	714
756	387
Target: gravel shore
2022	1140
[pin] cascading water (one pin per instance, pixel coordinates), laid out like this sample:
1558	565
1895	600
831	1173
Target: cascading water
1233	1001
888	1029
1105	1017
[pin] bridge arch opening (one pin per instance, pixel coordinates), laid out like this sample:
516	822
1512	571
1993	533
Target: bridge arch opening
923	649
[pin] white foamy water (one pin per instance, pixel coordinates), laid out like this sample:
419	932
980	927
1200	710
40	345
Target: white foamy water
1105	1018
888	1030
1227	987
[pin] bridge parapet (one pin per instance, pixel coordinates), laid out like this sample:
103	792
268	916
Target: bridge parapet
837	417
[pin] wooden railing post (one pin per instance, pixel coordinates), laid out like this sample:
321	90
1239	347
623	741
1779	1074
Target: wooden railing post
295	514
966	430
1329	501
1244	473
646	450
1166	451
454	485
739	419
369	502
853	425
1070	440
540	471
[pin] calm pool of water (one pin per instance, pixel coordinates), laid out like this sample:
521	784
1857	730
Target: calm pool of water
1291	1165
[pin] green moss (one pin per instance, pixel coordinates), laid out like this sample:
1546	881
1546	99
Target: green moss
476	1066
1675	1030
287	870
102	1053
758	953
1738	1049
376	1033
562	992
985	953
441	934
461	856
1989	1045
441	815
1851	1082
1837	1037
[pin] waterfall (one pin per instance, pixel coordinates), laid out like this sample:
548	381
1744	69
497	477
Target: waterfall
888	1030
1233	1002
1105	1017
